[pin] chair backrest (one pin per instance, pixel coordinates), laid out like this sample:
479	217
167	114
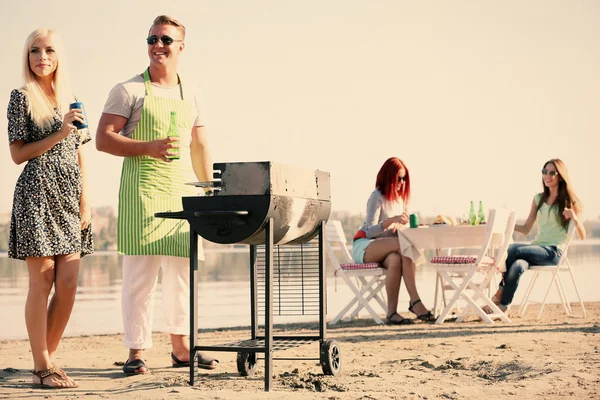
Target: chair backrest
500	222
489	233
336	240
570	235
505	224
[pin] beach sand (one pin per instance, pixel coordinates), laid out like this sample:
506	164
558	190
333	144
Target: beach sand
554	358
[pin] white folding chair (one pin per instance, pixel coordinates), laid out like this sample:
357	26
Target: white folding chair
459	272
563	266
365	280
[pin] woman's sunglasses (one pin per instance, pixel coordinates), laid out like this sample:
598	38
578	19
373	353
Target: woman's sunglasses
402	178
166	40
548	172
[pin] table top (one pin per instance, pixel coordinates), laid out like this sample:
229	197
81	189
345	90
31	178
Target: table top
414	240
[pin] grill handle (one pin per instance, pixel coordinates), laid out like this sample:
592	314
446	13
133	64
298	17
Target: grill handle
220	213
195	214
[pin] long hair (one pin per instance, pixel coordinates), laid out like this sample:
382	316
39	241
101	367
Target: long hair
566	195
387	180
41	106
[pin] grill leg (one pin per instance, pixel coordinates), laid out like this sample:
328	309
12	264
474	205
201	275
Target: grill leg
193	302
253	294
269	305
322	284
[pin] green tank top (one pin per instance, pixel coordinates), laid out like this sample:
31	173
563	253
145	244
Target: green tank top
550	232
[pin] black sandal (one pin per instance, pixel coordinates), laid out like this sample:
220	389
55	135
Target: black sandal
427	317
403	321
134	367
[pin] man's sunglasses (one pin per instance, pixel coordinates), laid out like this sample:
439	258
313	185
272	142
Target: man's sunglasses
548	172
166	40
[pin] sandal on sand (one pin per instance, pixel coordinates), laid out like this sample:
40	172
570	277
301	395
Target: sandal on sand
427	317
402	321
206	362
177	363
134	367
46	373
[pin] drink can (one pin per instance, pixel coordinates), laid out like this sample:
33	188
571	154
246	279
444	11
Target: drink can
414	221
78	124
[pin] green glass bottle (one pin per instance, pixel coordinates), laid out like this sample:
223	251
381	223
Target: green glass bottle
472	215
173	132
480	214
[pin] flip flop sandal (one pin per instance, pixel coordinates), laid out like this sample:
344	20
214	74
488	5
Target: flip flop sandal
206	362
43	374
402	321
133	367
177	363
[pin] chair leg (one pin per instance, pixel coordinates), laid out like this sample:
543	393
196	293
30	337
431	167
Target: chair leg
579	299
525	302
563	295
554	275
358	298
435	297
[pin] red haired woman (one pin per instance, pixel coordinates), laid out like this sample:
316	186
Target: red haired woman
376	241
553	209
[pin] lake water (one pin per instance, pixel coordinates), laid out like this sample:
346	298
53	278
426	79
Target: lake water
224	292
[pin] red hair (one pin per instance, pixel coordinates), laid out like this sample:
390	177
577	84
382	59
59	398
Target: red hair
387	180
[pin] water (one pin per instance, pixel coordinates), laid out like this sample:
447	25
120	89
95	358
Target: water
224	292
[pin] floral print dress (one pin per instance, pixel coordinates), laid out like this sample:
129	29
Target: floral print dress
45	218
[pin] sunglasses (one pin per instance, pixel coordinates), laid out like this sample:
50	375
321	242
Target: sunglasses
166	40
548	172
402	178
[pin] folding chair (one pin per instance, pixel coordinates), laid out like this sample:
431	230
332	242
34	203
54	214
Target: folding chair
563	266
459	272
365	280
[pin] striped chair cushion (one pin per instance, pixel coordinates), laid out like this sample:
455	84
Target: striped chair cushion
355	266
461	260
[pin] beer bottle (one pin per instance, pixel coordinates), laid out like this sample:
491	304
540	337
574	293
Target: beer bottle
480	214
173	132
472	215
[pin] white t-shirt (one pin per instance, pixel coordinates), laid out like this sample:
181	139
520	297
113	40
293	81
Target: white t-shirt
127	99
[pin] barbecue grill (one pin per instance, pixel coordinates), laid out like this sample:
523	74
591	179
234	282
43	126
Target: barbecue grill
280	212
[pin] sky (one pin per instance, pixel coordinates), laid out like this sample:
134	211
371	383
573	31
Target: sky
474	96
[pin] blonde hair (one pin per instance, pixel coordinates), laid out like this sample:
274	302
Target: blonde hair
40	105
166	20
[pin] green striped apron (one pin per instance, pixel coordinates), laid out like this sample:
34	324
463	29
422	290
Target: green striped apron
150	185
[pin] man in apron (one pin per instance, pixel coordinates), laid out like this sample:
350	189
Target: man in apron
137	120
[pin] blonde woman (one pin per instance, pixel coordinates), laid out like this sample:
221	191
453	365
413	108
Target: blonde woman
50	222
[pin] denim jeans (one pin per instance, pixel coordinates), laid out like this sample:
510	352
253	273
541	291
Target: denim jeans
520	256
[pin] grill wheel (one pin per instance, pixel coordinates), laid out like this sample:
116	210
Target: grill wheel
331	357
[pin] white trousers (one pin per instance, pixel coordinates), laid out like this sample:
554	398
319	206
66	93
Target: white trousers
140	278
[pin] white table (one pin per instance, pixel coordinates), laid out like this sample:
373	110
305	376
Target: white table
413	242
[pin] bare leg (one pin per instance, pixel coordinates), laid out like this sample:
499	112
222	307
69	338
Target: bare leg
41	278
409	273
385	251
393	264
379	249
181	348
61	305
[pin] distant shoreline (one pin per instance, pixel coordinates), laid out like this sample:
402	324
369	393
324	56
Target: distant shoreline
586	242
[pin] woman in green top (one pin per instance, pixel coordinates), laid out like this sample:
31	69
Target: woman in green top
553	209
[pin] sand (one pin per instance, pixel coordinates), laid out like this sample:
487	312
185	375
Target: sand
554	358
